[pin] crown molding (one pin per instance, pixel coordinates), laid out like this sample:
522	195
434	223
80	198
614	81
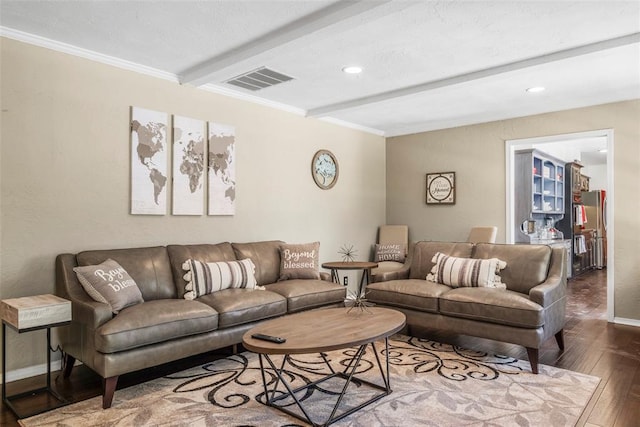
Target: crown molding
85	53
352	126
69	49
252	98
132	66
284	107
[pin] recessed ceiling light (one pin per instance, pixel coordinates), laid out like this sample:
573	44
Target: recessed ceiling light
352	69
535	89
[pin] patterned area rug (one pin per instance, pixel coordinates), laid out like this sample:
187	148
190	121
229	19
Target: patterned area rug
433	385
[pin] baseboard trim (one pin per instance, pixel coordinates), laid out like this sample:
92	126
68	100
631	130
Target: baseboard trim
31	371
628	322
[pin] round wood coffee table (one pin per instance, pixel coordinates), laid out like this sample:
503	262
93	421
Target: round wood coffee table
320	331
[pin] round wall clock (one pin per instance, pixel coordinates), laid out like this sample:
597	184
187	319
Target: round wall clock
324	169
441	188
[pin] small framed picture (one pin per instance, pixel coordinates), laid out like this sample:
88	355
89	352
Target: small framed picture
441	188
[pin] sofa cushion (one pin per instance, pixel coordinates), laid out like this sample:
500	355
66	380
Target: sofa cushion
153	322
149	267
415	294
423	253
240	306
110	284
389	252
527	265
178	254
207	277
303	294
266	257
492	305
456	272
300	261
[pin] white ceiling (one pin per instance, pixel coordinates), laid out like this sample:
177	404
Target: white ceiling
427	64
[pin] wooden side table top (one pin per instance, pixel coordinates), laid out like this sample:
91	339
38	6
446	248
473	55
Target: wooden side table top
350	265
38	311
325	330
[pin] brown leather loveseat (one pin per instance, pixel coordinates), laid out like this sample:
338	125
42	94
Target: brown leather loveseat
529	311
166	326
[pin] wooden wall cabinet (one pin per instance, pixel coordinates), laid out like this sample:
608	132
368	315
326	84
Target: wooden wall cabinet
539	189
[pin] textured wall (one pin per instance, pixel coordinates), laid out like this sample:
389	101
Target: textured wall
477	155
66	165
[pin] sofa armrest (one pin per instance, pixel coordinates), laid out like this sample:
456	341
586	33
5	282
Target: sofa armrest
403	273
548	292
325	276
91	313
554	287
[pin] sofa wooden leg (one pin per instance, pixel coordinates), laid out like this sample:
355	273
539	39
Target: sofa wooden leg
68	361
533	359
560	339
109	388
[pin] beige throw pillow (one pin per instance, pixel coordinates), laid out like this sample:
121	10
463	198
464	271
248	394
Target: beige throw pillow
109	283
456	272
300	261
390	252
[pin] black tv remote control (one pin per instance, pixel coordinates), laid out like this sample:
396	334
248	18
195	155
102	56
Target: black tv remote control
263	337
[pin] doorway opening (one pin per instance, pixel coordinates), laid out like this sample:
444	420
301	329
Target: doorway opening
561	146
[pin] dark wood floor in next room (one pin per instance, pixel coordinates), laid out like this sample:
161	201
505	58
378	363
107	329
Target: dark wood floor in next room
592	346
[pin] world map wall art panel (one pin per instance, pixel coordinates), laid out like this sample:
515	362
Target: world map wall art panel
198	168
222	169
148	162
189	155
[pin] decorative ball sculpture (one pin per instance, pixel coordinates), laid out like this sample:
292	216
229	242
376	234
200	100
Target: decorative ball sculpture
348	253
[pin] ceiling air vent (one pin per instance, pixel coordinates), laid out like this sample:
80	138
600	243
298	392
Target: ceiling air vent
259	79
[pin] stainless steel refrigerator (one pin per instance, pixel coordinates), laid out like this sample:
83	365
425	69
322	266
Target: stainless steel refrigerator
595	205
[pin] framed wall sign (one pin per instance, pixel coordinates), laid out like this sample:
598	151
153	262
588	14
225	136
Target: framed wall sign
324	169
441	188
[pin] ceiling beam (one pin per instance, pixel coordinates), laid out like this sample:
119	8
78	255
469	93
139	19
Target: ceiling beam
298	31
477	75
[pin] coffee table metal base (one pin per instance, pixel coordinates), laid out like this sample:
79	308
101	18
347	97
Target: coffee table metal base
348	375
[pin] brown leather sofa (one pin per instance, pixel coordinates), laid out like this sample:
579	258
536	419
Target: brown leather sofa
167	327
528	312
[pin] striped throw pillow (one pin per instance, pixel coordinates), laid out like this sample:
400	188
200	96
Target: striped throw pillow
207	277
456	272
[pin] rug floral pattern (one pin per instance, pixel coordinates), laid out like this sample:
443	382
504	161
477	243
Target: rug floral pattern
433	385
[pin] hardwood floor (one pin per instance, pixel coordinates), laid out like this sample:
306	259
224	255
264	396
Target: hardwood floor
592	346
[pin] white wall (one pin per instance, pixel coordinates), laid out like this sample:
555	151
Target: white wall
597	176
66	166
